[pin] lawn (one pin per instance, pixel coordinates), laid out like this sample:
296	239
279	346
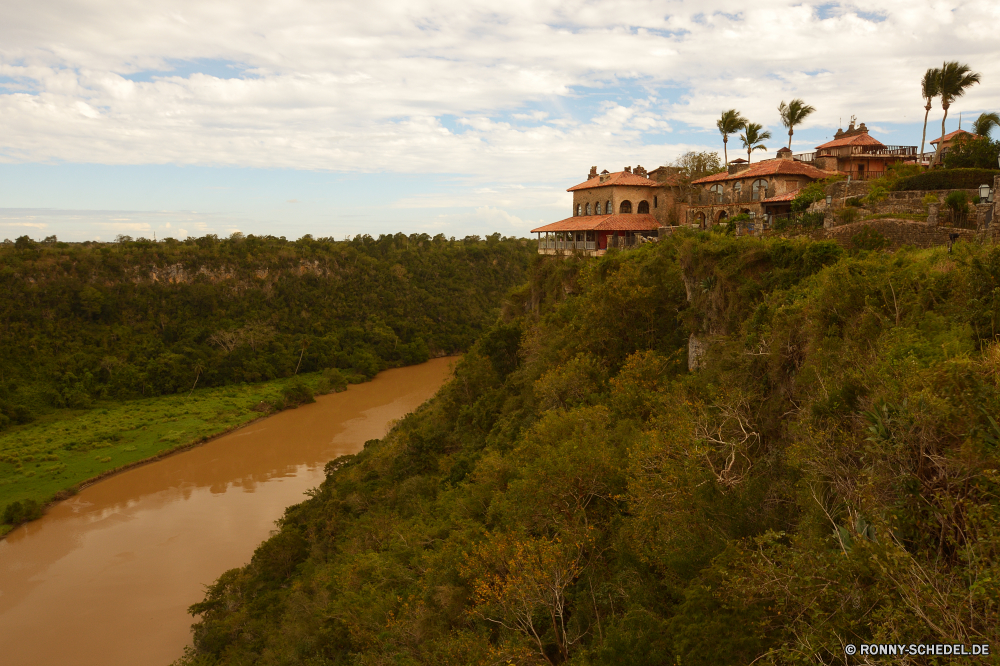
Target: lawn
66	447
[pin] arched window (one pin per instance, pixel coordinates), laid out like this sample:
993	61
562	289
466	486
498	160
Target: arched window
700	220
722	215
759	189
643	208
654	202
597	208
588	209
607	207
716	190
579	209
625	207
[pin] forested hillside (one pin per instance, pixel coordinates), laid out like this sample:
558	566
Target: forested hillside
576	495
82	322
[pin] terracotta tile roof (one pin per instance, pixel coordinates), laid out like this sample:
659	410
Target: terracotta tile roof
773	167
617	178
862	139
616	222
951	135
780	197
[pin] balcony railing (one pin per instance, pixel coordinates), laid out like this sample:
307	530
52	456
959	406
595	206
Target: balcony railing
552	244
873	151
804	157
865	175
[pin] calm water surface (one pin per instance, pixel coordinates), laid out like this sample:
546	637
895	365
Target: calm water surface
105	577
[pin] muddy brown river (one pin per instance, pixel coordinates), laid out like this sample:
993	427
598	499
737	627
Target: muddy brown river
106	576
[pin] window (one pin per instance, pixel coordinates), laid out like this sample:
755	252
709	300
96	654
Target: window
716	190
579	209
643	208
625	207
607	207
759	189
588	209
654	202
597	208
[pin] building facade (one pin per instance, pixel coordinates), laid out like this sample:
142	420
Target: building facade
618	209
759	190
857	154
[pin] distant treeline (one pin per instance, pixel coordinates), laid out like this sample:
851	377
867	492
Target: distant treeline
87	321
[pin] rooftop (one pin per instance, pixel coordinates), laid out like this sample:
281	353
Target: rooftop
617	178
951	135
615	222
769	168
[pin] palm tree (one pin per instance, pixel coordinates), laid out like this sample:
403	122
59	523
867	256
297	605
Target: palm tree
985	123
930	87
953	81
793	114
731	122
753	138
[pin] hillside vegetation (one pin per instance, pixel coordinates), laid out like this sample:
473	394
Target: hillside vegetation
92	333
576	495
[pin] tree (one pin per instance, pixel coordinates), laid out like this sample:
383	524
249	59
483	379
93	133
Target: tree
792	114
954	80
730	122
753	138
985	123
930	87
696	165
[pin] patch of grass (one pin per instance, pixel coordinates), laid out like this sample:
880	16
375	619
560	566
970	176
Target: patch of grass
50	457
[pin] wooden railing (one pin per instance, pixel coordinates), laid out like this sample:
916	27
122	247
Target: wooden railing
745	196
865	175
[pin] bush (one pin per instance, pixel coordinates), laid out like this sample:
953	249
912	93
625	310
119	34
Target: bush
812	193
333	381
978	153
958	202
295	395
854	202
930	199
847	215
876	194
947	179
21	512
869	239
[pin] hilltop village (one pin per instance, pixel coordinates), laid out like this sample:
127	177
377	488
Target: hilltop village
850	182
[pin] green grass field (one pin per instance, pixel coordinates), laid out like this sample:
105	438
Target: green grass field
66	447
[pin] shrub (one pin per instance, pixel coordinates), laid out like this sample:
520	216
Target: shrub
812	193
958	202
876	194
812	219
333	381
296	394
930	199
21	512
978	153
847	215
869	239
854	202
947	179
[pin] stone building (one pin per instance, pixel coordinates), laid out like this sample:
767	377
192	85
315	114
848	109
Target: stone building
758	190
616	209
858	154
949	140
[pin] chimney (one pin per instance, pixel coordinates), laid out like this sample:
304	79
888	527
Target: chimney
593	173
639	171
628	169
784	153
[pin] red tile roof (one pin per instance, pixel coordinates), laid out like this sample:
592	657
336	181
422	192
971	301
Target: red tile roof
862	139
780	197
951	135
617	178
616	222
768	168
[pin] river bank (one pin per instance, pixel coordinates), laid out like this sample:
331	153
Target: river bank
113	569
54	458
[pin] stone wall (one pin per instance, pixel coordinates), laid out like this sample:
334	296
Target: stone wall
901	232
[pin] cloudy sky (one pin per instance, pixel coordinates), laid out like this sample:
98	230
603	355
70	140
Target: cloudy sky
335	118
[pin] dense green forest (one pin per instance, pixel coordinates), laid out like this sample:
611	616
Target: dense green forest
91	321
826	476
114	352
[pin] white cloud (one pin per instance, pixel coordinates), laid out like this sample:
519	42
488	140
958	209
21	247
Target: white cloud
536	88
